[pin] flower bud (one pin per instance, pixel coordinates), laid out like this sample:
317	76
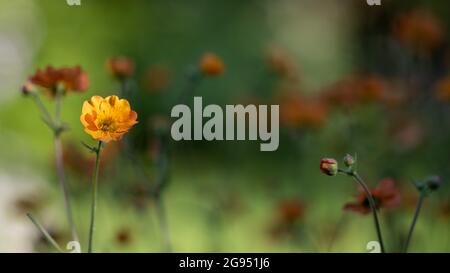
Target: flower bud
433	182
329	166
349	160
27	88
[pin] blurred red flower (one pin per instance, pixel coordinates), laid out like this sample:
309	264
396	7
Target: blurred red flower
297	111
157	78
385	196
355	90
419	30
120	67
67	78
281	63
287	214
442	89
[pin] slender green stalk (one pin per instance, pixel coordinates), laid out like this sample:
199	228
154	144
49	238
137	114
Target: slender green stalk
413	224
55	125
161	182
47	236
94	196
164	227
373	206
60	165
63	186
45	114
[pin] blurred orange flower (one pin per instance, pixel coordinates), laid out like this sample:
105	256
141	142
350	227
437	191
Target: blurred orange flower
355	90
297	111
418	30
280	62
67	78
385	196
211	65
157	78
123	236
442	90
406	133
120	67
290	210
78	161
288	213
107	119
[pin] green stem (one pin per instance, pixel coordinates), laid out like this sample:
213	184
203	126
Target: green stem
372	205
47	236
413	224
94	196
45	114
164	227
63	185
161	181
60	163
55	125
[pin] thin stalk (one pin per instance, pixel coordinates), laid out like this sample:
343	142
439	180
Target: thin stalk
44	232
161	165
45	114
60	165
373	206
164	227
94	196
413	224
63	185
55	125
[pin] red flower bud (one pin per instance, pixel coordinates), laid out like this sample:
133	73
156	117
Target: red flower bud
329	166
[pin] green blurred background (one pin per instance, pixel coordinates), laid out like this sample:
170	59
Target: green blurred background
229	196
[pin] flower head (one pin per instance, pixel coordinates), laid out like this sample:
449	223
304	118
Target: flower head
297	111
67	79
107	119
211	65
385	196
329	166
442	89
419	30
120	67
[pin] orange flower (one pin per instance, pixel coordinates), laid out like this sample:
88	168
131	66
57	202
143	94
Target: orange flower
443	89
418	30
66	78
288	215
211	65
290	210
298	111
107	119
355	90
385	196
120	67
157	78
280	62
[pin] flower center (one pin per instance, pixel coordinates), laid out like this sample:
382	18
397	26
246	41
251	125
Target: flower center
107	124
